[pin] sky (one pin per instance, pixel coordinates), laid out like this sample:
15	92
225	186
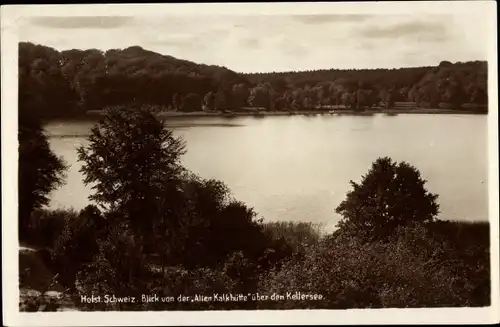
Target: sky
264	43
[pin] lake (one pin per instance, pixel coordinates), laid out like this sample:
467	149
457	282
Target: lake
298	168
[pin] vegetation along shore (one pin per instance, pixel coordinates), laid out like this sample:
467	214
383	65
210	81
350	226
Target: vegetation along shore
154	228
74	82
331	112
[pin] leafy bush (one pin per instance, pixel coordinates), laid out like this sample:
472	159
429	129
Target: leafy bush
219	225
77	243
390	195
47	225
298	235
118	268
469	253
415	268
454	277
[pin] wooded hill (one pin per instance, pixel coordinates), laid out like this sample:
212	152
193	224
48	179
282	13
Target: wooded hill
66	84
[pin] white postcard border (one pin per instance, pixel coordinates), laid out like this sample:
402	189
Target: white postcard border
11	17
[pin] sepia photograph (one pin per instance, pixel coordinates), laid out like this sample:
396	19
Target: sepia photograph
223	159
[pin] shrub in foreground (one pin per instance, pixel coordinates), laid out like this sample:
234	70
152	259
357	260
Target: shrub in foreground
297	235
390	195
47	225
118	268
77	244
413	269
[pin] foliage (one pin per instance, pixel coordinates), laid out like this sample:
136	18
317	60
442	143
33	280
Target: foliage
40	170
133	162
298	236
44	91
416	268
118	268
213	225
77	243
168	215
192	102
71	82
47	226
209	101
389	251
456	84
440	264
391	194
260	96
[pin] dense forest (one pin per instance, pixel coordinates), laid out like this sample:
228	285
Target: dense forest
429	87
66	84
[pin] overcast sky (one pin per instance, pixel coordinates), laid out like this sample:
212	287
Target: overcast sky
276	42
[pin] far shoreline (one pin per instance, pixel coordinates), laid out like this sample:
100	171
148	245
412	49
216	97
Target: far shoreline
340	112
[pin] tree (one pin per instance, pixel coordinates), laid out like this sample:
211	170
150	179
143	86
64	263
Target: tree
220	100
428	93
387	97
414	96
349	99
403	93
260	96
76	244
364	98
209	101
298	95
192	102
213	212
445	64
240	95
40	170
281	104
177	101
308	103
296	105
391	195
133	164
454	93
68	83
278	84
118	267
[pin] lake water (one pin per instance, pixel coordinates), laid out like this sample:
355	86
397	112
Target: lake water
298	168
